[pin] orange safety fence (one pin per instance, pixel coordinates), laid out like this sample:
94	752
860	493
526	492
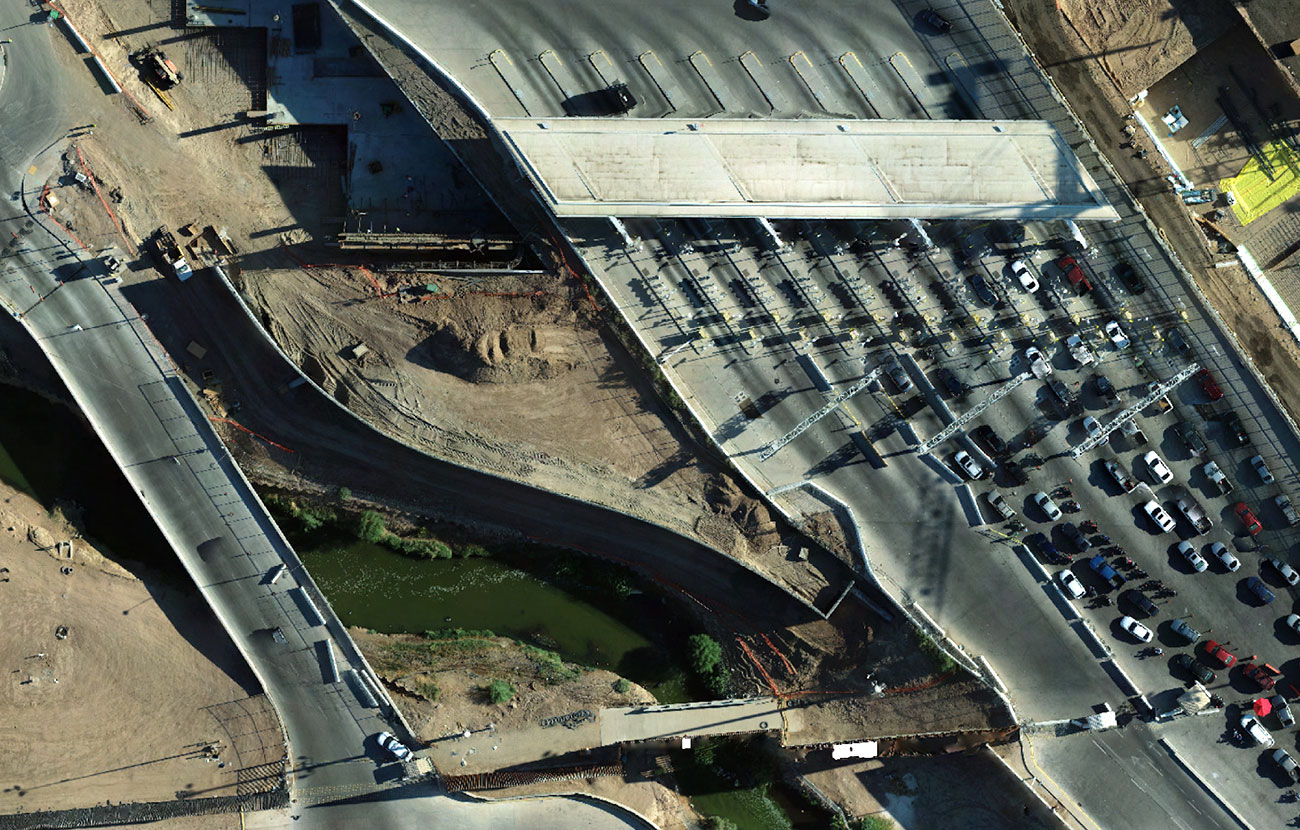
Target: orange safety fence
771	684
778	653
920	686
238	425
44	195
111	215
565	259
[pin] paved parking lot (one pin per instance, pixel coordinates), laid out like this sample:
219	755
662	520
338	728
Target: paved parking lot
762	325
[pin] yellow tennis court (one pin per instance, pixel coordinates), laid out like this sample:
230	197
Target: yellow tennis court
1256	195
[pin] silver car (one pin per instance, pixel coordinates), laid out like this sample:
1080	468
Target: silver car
1046	505
1286	762
1260	467
1070	583
968	465
1158	515
1139	631
1220	551
1193	558
1256	730
1288	573
389	742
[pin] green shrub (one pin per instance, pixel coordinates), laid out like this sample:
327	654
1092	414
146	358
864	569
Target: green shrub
622	686
345	493
370	527
500	691
705	654
719	823
469	550
877	823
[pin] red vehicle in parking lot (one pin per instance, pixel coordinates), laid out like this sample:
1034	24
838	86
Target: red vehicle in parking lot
1074	274
1260	676
1222	655
1208	384
1253	527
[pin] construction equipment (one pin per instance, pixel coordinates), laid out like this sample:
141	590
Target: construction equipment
157	69
169	254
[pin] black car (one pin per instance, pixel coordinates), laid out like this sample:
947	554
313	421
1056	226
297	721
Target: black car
936	21
1076	536
1015	472
619	97
1198	671
1234	431
990	440
1041	545
898	375
1140	601
1179	343
1105	388
1007	233
759	9
982	290
1062	393
1191	439
1132	280
952	384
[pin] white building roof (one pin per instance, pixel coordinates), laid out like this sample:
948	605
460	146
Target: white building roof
824	169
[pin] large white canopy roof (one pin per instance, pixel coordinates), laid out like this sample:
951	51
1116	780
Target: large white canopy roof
823	169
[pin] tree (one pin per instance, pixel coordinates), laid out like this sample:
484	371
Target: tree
705	654
370	527
500	691
345	493
621	685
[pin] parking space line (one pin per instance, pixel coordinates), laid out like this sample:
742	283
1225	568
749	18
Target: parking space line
908	75
603	66
509	75
709	74
965	83
810	76
862	81
558	72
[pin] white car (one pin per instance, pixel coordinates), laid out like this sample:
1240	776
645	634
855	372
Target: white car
998	503
1158	515
1093	427
1046	505
1293	622
1193	558
968	465
1117	335
1037	362
1079	350
389	742
1288	573
1264	475
1028	281
1220	551
1070	584
1256	730
1139	631
1159	470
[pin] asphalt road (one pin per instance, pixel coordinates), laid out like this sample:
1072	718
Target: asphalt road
165	446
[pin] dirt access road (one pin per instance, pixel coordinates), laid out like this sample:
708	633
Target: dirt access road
1099	103
123	707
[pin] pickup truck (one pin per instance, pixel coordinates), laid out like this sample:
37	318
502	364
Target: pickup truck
1191	439
1106	389
1122	478
1079	350
1105	571
1194	513
1217	478
1283	503
999	504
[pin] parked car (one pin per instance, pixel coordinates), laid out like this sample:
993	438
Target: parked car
983	290
936	21
1138	631
898	376
968	465
1247	516
1288	573
1079	350
1191	439
1074	274
1287	763
1045	504
999	504
990	440
1234	431
1117	335
1021	271
1162	520
1070	584
1219	654
1179	343
1193	558
1015	471
1041	545
1123	479
1283	711
1103	569
1208	384
1076	537
1257	587
1180	627
1105	389
1261	677
1283	503
1159	470
1220	551
1256	730
1265	476
1140	601
389	742
1293	622
1130	278
1217	478
1038	363
1062	394
952	384
1198	671
1093	427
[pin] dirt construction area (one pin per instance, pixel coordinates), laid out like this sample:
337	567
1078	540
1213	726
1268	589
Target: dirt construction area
116	689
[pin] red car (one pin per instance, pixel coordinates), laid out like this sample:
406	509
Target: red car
1259	676
1208	384
1253	527
1074	274
1226	658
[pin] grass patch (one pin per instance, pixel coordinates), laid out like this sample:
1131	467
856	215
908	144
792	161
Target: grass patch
931	649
